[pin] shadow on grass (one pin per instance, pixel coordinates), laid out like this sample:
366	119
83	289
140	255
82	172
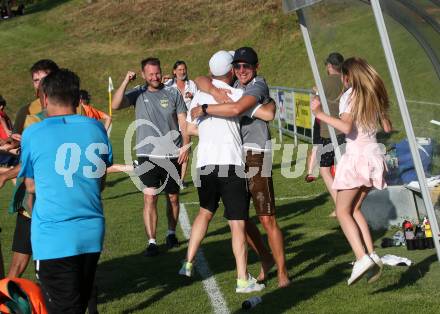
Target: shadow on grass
136	273
131	274
310	261
300	207
44	5
300	290
283	212
112	183
319	253
121	195
414	273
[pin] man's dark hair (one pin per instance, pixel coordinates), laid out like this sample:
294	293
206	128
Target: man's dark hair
335	59
179	62
84	96
150	61
62	87
45	65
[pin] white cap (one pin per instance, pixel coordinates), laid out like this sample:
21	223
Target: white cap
220	63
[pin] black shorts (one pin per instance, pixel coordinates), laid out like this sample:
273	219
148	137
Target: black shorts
67	282
326	152
223	182
158	177
21	243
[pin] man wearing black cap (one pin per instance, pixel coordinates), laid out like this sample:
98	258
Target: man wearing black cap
257	144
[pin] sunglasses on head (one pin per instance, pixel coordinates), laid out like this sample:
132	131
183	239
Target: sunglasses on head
246	66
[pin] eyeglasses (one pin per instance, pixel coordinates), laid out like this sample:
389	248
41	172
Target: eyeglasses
246	66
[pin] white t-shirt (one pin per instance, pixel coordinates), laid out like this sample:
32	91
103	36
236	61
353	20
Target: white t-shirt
356	133
344	102
219	138
190	87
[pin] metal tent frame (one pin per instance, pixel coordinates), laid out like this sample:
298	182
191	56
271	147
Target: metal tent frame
297	6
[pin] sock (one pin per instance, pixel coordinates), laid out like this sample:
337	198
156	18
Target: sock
152	241
242	283
170	232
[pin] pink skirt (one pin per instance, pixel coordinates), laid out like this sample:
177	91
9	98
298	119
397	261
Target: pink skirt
356	170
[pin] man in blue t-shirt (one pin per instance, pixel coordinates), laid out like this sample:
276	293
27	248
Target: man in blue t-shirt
63	162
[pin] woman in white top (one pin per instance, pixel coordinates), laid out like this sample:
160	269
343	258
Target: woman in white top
180	81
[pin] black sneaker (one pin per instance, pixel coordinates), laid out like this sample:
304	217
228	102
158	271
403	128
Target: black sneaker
172	241
152	250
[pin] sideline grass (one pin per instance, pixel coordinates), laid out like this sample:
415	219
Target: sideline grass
318	258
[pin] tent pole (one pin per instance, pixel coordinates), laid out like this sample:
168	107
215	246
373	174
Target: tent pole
375	5
317	77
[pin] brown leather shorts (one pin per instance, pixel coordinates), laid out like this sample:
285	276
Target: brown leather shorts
260	183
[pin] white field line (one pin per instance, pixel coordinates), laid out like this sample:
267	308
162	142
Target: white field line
210	284
423	102
297	197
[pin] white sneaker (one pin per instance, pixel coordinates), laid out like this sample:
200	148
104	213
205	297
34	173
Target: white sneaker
249	285
360	267
374	273
186	269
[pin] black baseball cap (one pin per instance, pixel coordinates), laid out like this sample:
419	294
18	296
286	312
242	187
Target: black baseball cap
2	101
245	54
335	58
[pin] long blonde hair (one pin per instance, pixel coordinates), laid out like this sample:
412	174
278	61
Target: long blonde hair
369	97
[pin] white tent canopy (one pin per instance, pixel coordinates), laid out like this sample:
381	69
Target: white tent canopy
401	39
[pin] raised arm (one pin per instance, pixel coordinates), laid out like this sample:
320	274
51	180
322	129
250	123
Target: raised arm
119	100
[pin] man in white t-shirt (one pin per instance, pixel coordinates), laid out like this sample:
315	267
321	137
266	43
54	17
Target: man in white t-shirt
220	167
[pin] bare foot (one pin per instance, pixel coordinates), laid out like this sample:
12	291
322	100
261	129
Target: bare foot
265	268
283	280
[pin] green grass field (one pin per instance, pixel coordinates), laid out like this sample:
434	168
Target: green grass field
110	37
318	258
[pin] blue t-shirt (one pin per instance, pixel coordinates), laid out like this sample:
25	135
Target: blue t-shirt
67	157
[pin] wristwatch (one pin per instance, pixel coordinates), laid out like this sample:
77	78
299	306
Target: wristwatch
204	108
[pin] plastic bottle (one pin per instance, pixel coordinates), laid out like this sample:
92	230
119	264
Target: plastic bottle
250	303
429	241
